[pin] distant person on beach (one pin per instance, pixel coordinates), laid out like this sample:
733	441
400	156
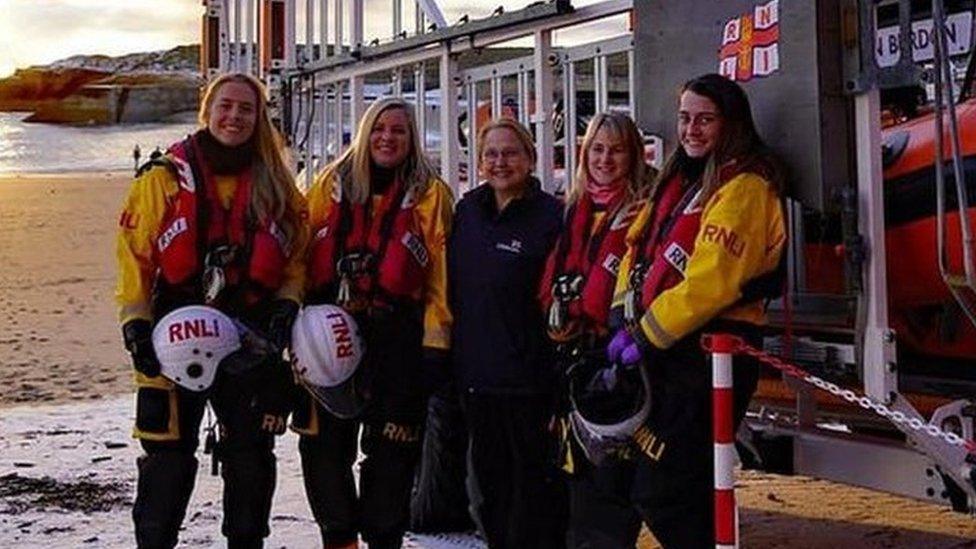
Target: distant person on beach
380	216
218	216
704	255
136	154
608	190
504	229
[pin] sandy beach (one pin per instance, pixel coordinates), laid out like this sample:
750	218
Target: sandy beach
60	345
59	340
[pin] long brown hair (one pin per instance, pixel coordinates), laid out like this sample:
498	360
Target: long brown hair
739	146
621	127
273	189
353	168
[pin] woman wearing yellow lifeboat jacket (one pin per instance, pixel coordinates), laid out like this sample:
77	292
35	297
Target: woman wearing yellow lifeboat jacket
705	254
220	200
380	217
609	190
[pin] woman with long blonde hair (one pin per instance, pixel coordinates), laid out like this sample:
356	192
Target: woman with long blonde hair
216	221
608	190
380	217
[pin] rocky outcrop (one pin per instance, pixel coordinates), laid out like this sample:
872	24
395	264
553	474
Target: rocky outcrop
123	99
179	59
28	88
98	89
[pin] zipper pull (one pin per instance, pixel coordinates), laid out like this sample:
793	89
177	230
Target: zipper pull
556	315
344	295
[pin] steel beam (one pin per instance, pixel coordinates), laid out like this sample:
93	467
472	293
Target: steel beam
466	37
449	149
433	12
544	139
249	42
878	359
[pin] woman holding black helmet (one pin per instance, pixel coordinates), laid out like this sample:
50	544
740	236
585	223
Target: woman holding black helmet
608	190
215	221
704	255
380	216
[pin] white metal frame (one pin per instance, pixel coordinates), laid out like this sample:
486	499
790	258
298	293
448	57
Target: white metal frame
346	74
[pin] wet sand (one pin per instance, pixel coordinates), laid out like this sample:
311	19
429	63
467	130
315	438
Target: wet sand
60	342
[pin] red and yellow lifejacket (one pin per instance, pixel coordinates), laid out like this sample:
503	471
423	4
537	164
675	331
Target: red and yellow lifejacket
668	240
578	281
180	247
375	249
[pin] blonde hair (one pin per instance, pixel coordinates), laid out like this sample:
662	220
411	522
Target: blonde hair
521	133
621	127
353	168
273	187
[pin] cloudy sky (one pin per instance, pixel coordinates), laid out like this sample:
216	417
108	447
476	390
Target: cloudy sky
41	31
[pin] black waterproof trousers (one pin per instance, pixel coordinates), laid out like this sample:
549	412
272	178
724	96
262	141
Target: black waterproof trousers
167	470
439	502
673	491
517	496
392	431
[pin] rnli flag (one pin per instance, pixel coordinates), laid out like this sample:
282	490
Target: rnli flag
750	44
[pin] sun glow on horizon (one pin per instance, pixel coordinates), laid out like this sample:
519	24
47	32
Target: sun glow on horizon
38	33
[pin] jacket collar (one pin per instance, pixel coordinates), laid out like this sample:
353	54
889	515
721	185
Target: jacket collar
486	198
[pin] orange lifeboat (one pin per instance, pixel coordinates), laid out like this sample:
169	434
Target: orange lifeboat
922	310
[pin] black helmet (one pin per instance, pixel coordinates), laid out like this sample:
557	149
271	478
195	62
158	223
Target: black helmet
609	403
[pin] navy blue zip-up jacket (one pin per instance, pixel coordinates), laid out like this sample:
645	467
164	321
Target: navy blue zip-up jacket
495	261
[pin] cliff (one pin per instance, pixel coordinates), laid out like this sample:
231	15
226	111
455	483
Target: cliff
145	87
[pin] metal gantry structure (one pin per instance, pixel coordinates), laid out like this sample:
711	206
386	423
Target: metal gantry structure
459	74
322	85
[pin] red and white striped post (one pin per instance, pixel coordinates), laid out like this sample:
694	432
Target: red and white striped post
723	347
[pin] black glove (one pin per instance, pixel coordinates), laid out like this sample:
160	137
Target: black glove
137	335
437	369
281	316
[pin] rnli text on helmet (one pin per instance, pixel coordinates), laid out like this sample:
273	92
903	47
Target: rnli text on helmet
195	328
340	333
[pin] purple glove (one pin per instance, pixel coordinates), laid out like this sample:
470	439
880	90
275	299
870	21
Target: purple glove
623	349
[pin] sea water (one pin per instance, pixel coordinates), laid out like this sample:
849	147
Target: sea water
51	148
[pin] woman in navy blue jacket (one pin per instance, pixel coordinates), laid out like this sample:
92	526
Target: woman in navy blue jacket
502	235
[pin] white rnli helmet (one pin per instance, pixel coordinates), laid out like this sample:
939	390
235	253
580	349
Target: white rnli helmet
326	350
191	341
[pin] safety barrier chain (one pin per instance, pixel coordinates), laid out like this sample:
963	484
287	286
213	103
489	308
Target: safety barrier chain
895	416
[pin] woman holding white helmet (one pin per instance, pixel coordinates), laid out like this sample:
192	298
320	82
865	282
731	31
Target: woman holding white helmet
217	220
380	216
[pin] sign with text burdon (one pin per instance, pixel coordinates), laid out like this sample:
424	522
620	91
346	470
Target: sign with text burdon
959	35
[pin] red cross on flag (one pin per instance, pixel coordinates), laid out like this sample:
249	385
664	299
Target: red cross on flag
750	44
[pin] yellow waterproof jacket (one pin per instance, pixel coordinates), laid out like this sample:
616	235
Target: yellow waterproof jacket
141	221
748	207
433	213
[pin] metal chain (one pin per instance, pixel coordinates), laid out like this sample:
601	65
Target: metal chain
895	416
